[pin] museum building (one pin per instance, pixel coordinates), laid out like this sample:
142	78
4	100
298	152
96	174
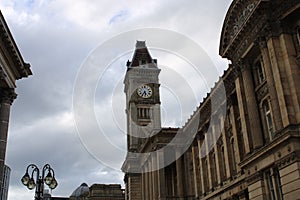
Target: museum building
256	140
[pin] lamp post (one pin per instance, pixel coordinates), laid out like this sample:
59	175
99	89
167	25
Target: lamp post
30	183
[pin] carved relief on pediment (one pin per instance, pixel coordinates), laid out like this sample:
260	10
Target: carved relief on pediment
237	16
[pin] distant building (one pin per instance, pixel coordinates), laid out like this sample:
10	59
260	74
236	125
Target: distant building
98	192
256	151
47	196
6	177
81	193
12	68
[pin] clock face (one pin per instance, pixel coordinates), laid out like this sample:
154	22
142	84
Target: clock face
144	91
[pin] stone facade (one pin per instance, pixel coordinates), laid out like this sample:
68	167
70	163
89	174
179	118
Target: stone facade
256	151
256	146
98	192
12	68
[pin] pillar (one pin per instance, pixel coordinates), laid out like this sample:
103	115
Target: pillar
215	134
179	172
292	73
195	169
281	80
251	106
201	166
146	181
161	176
236	138
6	98
154	175
210	183
226	155
271	86
150	180
242	111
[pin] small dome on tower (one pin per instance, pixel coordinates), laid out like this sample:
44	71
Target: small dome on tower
82	191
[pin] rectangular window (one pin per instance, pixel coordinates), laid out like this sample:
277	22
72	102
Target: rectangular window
274	189
258	71
270	186
268	118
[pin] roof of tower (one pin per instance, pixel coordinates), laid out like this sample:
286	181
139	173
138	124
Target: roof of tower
141	55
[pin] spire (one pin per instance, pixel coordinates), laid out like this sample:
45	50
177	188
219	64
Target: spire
141	55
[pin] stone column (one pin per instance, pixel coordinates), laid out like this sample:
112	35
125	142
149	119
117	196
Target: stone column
252	109
215	128
271	85
195	169
201	166
144	183
161	176
242	111
179	176
147	189
174	186
6	98
292	73
237	153
210	183
150	180
226	155
154	175
282	80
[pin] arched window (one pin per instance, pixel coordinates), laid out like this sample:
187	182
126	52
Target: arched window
268	119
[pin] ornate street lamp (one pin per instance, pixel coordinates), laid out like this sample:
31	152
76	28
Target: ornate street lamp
30	183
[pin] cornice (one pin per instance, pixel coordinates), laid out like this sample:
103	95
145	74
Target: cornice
281	139
22	68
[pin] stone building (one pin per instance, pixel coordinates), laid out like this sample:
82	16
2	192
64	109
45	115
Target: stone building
98	192
12	68
249	151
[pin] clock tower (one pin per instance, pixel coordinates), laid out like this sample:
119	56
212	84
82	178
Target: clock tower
143	114
142	97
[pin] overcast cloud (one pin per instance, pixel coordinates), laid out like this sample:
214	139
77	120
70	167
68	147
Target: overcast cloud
58	37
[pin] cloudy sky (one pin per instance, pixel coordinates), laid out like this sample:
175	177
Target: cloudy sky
63	40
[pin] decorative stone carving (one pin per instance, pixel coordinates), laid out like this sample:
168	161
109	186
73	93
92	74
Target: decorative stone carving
287	160
2	74
242	18
7	95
